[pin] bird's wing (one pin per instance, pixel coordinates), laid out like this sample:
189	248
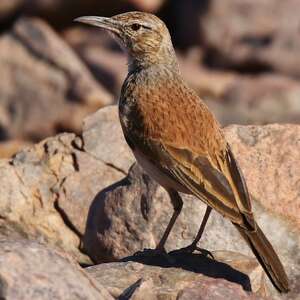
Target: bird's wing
215	178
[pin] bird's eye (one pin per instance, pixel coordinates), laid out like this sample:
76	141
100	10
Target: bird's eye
135	27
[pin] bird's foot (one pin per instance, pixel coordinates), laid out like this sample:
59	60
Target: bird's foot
191	249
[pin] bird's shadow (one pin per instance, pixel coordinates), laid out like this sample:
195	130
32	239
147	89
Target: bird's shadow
194	262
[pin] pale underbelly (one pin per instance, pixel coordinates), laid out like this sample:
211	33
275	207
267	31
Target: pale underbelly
156	174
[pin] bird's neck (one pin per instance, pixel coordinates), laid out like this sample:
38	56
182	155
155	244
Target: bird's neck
165	58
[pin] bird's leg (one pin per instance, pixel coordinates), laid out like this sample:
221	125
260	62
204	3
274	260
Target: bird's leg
160	248
177	205
193	246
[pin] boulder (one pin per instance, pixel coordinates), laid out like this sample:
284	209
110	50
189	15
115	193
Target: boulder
102	55
29	271
252	35
46	192
189	277
242	98
46	88
262	99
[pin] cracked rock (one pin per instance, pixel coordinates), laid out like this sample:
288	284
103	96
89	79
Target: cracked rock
46	192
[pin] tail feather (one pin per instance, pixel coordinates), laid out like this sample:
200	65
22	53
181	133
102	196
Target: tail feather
267	257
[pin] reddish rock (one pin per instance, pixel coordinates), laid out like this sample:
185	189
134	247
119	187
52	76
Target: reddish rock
67	190
269	156
186	278
253	35
29	270
260	99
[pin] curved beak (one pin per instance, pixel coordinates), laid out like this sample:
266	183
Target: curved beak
102	22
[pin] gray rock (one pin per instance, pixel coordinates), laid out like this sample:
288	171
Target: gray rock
46	88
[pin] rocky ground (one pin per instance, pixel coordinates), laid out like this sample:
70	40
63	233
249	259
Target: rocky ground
74	205
81	194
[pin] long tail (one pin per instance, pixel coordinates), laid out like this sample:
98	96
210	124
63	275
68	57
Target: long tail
267	257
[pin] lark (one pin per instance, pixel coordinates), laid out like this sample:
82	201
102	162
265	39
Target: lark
176	139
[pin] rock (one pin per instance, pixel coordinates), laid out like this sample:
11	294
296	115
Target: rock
132	214
29	270
48	77
269	157
46	192
9	7
101	54
240	98
10	148
252	35
73	192
104	126
261	99
190	277
209	84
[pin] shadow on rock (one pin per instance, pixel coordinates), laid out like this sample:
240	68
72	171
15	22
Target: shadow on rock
198	263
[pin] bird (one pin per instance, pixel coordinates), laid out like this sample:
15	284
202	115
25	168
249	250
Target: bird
177	139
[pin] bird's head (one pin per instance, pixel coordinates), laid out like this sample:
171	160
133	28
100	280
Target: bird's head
144	36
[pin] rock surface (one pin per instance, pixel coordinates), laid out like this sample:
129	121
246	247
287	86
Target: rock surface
30	271
257	35
11	147
46	88
46	191
189	277
269	156
261	99
73	192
